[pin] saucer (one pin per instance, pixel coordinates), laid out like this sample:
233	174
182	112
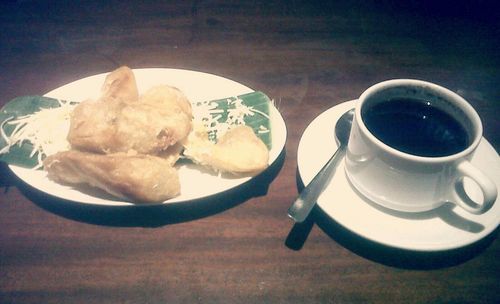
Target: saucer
445	228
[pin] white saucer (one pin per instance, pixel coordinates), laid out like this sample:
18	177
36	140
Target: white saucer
448	227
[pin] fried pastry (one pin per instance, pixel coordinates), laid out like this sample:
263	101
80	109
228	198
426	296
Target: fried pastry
158	120
168	97
120	84
239	151
138	178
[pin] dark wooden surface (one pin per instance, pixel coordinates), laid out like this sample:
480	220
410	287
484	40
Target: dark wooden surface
239	248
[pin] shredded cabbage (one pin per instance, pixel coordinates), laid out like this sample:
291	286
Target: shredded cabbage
46	130
218	120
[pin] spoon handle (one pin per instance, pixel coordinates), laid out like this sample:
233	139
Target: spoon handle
306	200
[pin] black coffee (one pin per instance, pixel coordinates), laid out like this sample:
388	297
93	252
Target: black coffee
416	127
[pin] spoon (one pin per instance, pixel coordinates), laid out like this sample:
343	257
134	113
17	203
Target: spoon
303	205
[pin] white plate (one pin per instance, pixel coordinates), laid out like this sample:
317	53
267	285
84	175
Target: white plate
198	86
445	228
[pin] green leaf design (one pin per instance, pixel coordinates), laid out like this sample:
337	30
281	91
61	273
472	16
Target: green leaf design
226	110
20	106
17	107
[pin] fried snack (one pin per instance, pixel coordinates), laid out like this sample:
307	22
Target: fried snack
173	153
139	178
93	126
161	118
165	110
239	151
120	84
167	97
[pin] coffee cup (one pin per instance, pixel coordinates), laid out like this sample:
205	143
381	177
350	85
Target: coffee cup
411	146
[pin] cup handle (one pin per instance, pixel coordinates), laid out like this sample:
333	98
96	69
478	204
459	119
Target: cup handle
487	186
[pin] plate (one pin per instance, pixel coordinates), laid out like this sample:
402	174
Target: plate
197	86
444	228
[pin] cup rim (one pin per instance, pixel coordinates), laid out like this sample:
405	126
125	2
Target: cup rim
464	105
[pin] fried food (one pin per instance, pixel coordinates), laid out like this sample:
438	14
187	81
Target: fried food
163	112
173	153
158	120
239	151
127	144
168	97
120	84
139	178
93	126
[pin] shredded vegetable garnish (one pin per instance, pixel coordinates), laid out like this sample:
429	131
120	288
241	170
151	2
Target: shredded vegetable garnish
263	130
46	130
218	117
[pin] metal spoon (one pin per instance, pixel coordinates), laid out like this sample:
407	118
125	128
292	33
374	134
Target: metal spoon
303	205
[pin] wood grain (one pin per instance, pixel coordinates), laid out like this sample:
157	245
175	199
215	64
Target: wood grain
240	249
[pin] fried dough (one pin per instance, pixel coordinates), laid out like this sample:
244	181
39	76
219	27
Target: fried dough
158	120
139	178
239	151
120	84
165	96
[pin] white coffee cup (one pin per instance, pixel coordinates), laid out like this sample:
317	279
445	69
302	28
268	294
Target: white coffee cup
405	180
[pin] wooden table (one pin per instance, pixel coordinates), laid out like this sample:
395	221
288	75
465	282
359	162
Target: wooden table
241	248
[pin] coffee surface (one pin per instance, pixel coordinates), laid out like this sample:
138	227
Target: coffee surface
415	127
